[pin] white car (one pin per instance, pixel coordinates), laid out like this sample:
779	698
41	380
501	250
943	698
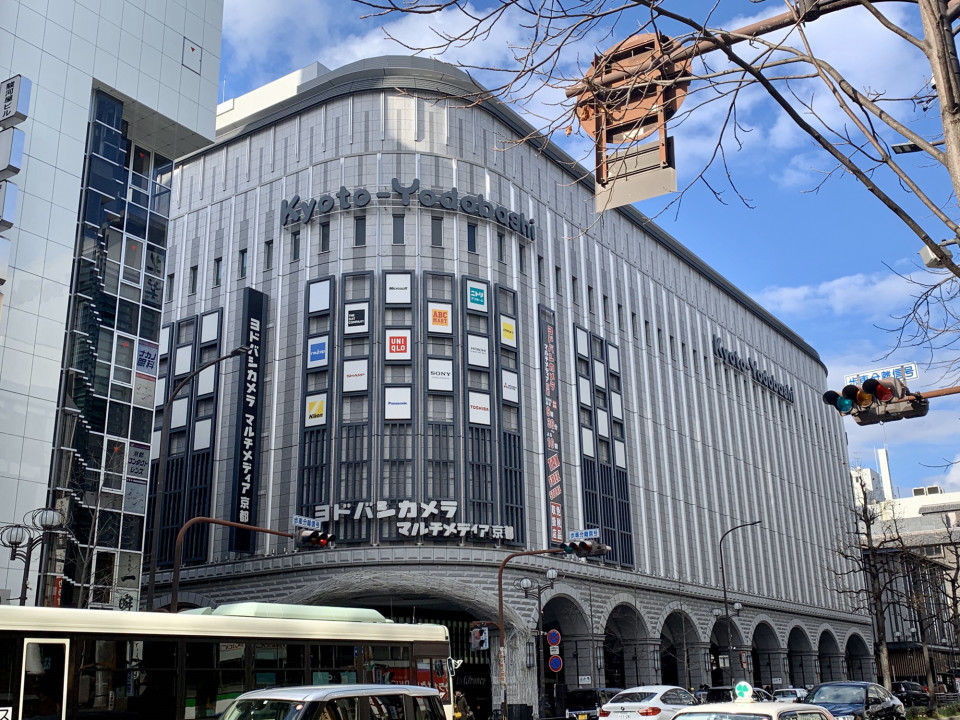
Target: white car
744	707
660	701
786	695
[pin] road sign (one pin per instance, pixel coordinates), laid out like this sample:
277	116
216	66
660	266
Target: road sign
907	372
553	637
554	650
556	663
593	534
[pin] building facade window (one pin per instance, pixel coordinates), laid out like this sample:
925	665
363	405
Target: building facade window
242	264
436	231
360	231
169	291
398	229
193	280
501	250
268	255
471	238
325	237
294	246
217	272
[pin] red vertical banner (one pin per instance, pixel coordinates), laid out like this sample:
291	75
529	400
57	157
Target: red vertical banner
550	383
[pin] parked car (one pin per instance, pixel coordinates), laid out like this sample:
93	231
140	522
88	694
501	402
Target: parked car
911	693
337	702
726	693
660	701
857	701
585	703
750	709
789	695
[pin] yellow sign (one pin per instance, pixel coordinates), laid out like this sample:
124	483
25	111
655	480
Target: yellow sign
316	410
508	332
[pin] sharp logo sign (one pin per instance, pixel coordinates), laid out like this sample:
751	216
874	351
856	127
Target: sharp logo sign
296	210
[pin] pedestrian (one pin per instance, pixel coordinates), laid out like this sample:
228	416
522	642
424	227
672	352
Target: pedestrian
461	709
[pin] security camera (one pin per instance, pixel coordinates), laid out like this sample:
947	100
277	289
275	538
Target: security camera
931	260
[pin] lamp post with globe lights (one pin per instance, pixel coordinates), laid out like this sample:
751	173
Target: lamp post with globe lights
23	537
532	587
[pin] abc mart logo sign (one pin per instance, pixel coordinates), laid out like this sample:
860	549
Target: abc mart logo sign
297	210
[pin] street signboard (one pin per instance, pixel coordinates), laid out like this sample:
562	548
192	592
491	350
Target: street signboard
592	534
553	637
554	649
905	372
556	663
585	679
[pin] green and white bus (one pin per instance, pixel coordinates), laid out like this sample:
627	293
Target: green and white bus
62	664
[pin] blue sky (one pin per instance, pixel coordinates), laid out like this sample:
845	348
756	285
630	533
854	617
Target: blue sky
824	260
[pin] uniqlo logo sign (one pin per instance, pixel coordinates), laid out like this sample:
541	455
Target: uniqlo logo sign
398	344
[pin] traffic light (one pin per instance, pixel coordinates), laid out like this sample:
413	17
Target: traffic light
876	401
585	548
315	539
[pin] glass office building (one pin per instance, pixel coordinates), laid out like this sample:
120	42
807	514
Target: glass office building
454	358
118	90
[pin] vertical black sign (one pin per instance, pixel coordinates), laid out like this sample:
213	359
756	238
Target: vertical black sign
551	424
246	451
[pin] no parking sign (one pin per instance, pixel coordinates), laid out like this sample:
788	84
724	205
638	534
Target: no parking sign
556	663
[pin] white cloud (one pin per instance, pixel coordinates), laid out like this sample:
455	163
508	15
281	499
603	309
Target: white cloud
864	296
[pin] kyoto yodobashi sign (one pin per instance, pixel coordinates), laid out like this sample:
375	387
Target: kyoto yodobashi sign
427	518
296	210
907	372
551	423
246	453
749	365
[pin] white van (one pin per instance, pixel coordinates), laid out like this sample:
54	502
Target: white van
338	702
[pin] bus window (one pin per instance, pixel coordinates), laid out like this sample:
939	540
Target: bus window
9	669
338	665
432	672
43	681
391	664
278	664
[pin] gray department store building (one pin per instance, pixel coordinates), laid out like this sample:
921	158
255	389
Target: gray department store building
454	359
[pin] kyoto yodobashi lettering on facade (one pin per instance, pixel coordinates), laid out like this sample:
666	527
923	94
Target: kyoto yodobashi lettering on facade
296	210
749	365
429	518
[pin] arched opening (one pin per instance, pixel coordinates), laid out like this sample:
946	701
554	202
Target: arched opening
859	660
768	658
624	660
578	648
726	644
831	659
679	646
800	659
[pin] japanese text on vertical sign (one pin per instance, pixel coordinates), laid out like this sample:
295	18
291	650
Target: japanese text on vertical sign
248	429
551	424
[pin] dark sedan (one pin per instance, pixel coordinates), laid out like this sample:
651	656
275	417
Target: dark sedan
911	693
857	701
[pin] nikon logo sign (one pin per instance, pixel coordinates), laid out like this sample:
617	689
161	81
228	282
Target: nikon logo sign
296	210
749	365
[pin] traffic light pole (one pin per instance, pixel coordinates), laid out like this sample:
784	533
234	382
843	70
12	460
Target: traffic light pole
178	548
500	624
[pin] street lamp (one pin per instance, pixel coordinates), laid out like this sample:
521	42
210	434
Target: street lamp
162	467
726	604
23	537
529	588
